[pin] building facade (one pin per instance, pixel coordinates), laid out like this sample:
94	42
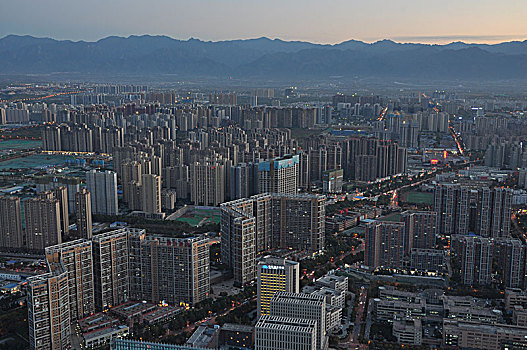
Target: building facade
305	306
103	186
110	268
385	244
285	333
76	258
173	270
462	209
276	275
48	311
42	217
279	175
11	234
83	211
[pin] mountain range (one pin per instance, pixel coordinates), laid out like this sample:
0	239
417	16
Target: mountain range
264	58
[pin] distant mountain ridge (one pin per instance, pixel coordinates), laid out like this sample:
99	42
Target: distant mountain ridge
264	58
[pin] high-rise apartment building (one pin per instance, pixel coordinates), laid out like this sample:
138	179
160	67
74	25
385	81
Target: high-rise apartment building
51	139
83	212
279	175
61	193
474	258
463	209
151	190
103	186
173	270
269	221
304	306
299	222
332	181
238	235
42	217
240	181
385	244
322	158
420	229
207	183
263	212
48	311
510	255
3	118
110	268
284	333
131	175
276	275
368	158
76	258
11	235
50	183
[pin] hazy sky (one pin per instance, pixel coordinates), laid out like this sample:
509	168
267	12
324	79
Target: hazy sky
325	21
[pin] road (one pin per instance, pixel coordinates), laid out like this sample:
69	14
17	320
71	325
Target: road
210	320
359	317
368	320
354	341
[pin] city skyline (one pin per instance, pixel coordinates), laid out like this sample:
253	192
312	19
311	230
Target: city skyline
278	175
317	22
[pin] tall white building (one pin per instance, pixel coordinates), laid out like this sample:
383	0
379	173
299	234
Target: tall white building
103	187
279	175
276	275
285	333
304	306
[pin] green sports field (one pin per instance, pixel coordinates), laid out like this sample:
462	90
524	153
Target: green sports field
194	217
420	198
395	217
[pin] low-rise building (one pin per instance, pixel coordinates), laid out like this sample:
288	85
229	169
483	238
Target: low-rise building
204	336
388	310
408	331
124	344
467	308
474	335
519	316
148	313
284	333
236	335
337	283
99	338
515	296
97	321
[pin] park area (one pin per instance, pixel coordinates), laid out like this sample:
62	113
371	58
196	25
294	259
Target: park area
199	216
418	198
